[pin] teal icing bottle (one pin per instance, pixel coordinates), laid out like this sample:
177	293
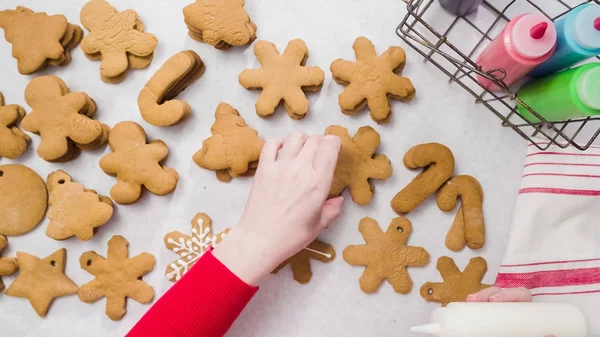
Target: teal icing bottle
573	93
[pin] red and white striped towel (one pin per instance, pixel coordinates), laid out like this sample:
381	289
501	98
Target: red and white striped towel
554	246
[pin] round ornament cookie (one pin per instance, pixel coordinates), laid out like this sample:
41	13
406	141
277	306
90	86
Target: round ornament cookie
23	199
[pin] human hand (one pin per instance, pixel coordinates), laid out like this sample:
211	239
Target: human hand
495	294
287	207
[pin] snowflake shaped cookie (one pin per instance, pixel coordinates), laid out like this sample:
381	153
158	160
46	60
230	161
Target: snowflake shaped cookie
191	248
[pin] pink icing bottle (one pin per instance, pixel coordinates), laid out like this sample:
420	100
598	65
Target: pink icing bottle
527	40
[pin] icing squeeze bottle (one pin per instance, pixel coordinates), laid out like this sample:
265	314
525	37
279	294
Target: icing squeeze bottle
578	39
527	41
505	320
573	93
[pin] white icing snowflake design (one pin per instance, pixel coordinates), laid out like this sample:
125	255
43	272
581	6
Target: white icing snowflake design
191	249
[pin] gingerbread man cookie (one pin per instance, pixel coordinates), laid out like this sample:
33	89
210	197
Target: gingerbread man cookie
136	163
220	23
62	119
8	265
282	78
13	141
233	148
300	262
386	255
437	162
372	80
117	277
114	35
191	248
42	280
468	228
357	163
74	211
156	102
39	39
23	199
457	285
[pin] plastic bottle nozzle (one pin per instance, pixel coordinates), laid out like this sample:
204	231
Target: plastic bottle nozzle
538	31
597	23
432	329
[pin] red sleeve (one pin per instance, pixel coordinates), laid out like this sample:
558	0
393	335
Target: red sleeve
205	302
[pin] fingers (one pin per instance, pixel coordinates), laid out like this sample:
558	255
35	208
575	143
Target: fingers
270	150
292	145
310	148
495	294
330	211
327	155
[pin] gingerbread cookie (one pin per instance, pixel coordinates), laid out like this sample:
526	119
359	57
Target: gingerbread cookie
220	23
191	248
114	35
74	211
13	141
136	163
437	162
117	277
156	102
468	227
62	119
386	255
300	262
282	78
42	280
39	39
233	148
357	163
8	265
23	199
457	285
372	80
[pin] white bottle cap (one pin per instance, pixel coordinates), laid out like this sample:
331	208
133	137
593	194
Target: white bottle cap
588	88
584	32
527	46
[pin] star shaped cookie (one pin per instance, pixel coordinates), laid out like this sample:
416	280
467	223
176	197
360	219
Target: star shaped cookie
386	255
282	78
42	280
457	285
371	80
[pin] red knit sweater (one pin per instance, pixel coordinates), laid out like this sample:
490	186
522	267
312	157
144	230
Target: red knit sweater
204	303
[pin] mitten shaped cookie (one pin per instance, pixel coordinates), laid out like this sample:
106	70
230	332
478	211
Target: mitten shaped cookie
38	39
114	35
74	211
300	262
8	265
191	247
371	80
136	163
233	148
457	285
42	280
13	141
468	227
156	100
437	162
357	163
117	277
62	119
282	78
386	255
220	23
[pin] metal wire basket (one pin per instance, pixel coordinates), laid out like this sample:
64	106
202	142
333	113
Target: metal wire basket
438	47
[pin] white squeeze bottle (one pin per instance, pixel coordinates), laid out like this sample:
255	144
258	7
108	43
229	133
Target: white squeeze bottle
506	320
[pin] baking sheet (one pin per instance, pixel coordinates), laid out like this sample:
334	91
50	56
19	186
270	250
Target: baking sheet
332	303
